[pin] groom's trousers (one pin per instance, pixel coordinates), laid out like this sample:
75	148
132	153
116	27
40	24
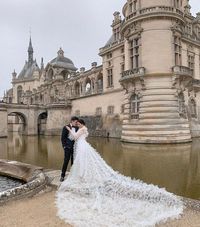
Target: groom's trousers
68	154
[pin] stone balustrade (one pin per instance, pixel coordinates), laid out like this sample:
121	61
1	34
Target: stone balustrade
133	73
155	9
182	70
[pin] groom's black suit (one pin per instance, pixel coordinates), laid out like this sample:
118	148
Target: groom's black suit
68	146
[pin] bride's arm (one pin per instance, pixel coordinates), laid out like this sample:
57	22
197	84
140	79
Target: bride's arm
77	134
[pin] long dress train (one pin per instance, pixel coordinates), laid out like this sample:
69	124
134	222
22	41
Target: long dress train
94	195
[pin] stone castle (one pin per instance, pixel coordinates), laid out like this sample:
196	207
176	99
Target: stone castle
147	89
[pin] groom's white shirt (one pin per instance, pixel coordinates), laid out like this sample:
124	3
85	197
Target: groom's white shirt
70	136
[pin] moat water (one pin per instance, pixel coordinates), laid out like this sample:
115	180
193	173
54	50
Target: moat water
174	167
8	183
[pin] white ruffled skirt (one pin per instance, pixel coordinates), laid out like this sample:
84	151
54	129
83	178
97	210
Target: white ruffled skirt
94	195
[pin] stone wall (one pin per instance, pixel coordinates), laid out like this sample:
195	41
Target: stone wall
104	126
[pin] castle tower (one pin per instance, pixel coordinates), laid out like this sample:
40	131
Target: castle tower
154	77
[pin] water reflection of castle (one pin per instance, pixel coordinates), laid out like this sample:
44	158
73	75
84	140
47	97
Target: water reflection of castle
146	90
176	167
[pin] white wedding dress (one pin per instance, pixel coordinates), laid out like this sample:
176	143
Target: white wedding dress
94	195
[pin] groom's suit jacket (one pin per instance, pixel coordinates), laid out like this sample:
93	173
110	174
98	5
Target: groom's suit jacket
66	142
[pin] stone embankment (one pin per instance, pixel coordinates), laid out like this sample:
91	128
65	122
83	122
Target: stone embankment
33	177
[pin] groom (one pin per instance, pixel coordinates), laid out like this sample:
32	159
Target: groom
68	145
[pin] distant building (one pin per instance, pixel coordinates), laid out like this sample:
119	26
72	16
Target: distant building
147	88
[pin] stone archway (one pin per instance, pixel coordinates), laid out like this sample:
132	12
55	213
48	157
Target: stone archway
100	83
17	122
50	74
88	86
41	123
77	89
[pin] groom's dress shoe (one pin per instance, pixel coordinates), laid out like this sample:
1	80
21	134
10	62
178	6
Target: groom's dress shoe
62	179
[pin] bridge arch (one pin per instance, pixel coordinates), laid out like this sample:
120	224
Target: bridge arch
41	122
17	121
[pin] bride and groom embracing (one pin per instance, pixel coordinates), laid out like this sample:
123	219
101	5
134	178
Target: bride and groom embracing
94	195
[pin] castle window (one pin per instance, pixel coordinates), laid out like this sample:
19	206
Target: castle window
177	3
50	74
122	108
19	94
110	77
181	104
177	50
116	34
77	88
189	29
134	53
191	61
109	55
88	86
98	111
134	106
122	67
193	109
133	6
110	110
41	98
100	83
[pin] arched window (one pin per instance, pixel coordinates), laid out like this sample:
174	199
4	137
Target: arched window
77	88
50	74
65	74
193	109
100	83
134	106
19	94
88	86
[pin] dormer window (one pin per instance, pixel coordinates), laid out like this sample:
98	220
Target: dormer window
133	6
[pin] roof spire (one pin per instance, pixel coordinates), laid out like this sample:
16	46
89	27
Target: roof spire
30	51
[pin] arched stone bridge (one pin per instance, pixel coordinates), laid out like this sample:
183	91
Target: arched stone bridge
56	116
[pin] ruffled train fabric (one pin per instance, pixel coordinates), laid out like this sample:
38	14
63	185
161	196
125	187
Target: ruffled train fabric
95	195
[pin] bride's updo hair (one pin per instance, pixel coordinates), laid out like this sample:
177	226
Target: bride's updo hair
81	121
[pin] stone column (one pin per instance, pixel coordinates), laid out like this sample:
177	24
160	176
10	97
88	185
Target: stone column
3	120
58	116
31	129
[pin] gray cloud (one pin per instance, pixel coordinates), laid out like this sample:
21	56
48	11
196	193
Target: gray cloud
79	27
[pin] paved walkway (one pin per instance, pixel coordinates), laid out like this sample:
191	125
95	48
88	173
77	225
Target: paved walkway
40	211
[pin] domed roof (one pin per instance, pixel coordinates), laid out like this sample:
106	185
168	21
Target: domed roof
62	61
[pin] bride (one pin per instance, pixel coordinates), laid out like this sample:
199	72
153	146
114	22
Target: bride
94	195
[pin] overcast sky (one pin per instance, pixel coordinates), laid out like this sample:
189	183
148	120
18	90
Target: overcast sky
80	27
